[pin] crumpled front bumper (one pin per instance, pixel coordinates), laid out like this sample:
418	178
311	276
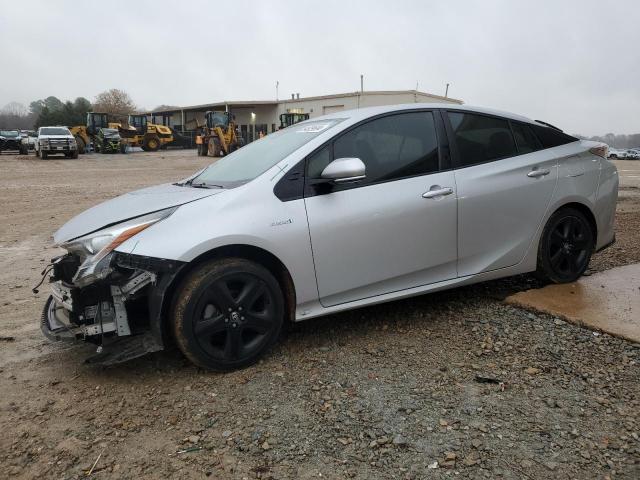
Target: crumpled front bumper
55	323
100	314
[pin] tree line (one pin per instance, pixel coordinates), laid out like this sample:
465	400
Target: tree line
616	141
53	111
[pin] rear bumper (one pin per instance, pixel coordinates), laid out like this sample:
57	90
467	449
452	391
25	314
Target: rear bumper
607	245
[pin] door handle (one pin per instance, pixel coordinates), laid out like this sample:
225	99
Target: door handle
441	192
536	173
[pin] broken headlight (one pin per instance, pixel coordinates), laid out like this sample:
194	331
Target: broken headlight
95	248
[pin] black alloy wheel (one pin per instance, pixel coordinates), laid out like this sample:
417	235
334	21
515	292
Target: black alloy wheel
227	314
566	246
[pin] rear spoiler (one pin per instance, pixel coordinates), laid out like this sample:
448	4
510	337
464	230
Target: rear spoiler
548	125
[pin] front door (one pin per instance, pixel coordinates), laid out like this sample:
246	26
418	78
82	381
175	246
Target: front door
394	230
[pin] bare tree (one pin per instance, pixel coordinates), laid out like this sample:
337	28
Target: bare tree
16	115
114	102
15	109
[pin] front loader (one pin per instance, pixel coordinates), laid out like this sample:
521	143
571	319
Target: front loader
219	135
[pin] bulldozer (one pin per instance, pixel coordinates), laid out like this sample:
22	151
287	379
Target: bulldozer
288	119
219	135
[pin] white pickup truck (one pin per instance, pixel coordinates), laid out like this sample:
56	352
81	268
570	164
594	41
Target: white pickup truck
53	140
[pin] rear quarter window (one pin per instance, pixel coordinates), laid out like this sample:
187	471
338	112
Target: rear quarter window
526	140
550	137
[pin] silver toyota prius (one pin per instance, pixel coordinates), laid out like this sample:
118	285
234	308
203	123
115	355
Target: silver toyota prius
338	212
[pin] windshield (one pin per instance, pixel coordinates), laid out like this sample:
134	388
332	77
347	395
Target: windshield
8	133
54	131
247	163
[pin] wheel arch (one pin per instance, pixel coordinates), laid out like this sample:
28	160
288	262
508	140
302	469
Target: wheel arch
586	211
248	252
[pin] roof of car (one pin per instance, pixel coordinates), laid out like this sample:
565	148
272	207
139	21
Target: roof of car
366	112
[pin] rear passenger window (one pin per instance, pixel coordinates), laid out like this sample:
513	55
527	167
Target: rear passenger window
480	138
525	139
550	137
392	147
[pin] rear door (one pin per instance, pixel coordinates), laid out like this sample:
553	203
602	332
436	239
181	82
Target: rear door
504	189
393	230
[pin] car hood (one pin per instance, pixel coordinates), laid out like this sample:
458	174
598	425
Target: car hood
55	136
128	206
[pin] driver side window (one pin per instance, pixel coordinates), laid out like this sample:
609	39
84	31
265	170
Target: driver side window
392	147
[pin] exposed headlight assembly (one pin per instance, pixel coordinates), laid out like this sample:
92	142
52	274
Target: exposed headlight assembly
95	249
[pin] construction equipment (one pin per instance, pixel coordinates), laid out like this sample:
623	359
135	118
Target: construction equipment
179	138
219	135
85	133
108	140
288	119
136	132
149	136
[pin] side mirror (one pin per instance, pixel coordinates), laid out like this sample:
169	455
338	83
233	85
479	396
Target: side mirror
343	170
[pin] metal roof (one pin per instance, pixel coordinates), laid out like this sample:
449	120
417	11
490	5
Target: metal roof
253	103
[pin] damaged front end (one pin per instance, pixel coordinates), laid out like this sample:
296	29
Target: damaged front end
109	298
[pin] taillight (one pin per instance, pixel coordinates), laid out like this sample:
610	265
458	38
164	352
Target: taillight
600	150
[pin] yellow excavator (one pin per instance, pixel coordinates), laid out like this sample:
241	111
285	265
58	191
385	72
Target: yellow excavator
219	135
136	132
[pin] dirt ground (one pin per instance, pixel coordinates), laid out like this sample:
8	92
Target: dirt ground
453	383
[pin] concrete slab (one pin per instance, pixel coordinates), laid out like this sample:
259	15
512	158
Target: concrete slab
608	301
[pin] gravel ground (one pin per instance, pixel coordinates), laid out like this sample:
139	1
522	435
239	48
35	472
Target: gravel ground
452	383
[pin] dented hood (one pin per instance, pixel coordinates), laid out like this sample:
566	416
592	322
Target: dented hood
127	206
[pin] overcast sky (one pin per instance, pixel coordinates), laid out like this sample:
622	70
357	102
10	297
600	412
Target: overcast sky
575	64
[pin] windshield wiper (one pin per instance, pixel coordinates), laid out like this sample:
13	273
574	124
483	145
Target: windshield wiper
189	183
203	185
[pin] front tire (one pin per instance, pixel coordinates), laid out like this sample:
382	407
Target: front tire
80	143
566	246
202	150
44	155
151	143
227	313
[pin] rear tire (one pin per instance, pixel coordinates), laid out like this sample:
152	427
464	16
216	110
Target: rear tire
227	313
566	245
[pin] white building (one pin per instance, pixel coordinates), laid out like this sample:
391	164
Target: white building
255	116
